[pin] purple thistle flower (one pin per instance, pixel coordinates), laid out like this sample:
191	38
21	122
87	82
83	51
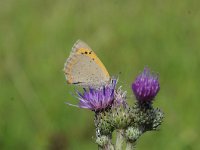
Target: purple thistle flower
97	99
120	97
146	86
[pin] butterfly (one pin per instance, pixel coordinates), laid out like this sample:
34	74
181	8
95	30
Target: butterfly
84	68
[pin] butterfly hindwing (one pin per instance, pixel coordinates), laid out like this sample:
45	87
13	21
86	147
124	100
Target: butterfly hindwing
84	68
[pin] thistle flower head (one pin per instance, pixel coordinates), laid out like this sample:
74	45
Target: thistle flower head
120	97
146	86
97	99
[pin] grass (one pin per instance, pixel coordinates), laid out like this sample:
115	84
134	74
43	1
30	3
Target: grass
36	38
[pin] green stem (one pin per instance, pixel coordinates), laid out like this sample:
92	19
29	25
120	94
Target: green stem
108	146
100	148
119	140
130	146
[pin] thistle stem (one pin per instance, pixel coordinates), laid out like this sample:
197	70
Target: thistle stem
130	146
108	146
119	140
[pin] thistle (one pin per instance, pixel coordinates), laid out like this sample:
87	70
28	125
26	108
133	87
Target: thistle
144	116
97	99
112	111
146	86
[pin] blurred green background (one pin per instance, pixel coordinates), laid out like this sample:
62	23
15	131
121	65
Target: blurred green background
36	37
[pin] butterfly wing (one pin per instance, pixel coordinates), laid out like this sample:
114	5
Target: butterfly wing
84	68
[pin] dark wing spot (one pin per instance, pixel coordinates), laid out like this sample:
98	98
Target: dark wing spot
85	52
90	52
77	82
82	53
92	58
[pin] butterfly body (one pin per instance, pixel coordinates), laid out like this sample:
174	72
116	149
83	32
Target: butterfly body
84	68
